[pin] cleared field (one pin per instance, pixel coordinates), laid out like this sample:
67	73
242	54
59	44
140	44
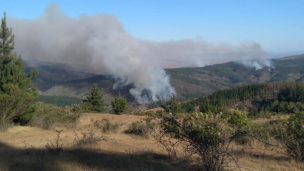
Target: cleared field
23	148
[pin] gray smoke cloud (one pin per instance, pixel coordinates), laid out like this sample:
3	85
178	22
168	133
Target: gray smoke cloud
101	44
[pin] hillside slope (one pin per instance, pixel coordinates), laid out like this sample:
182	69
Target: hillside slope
193	82
62	80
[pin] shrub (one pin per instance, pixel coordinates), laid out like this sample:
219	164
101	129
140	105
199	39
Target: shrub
172	106
55	146
119	104
238	118
294	136
241	124
210	140
143	128
48	115
106	126
159	113
13	104
87	138
290	134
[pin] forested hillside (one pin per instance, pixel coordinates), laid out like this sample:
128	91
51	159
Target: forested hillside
63	80
193	82
259	100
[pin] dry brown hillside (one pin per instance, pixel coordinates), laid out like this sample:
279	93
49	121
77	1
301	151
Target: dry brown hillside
23	148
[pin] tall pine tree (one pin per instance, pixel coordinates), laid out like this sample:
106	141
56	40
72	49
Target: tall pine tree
17	93
94	100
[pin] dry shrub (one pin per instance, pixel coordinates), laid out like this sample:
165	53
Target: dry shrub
106	126
55	146
87	139
145	127
49	115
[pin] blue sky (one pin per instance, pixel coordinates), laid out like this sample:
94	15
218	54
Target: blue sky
278	25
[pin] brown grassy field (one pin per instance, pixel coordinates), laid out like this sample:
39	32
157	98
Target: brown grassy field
23	148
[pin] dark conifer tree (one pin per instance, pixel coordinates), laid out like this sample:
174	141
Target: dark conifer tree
119	104
17	93
94	100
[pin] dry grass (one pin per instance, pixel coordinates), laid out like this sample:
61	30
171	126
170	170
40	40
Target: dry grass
23	148
265	120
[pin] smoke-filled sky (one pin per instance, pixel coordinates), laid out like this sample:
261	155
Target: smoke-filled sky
101	43
276	24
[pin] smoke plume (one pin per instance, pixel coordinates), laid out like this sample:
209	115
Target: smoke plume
101	44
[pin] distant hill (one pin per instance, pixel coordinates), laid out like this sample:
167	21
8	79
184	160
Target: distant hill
193	82
64	80
51	74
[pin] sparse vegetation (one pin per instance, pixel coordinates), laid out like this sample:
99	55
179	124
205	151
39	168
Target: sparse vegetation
106	126
87	139
55	146
50	115
145	127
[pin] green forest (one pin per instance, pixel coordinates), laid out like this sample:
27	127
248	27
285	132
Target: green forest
258	100
59	100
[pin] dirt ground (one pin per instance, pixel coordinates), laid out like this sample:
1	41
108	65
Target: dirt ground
24	148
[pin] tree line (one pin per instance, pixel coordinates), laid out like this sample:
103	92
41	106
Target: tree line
256	99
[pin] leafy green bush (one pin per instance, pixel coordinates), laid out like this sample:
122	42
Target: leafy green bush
290	134
48	115
210	140
244	130
143	128
13	104
239	119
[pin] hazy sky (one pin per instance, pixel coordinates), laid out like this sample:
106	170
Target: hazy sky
278	25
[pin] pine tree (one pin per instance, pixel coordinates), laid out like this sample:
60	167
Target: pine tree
17	93
119	104
94	100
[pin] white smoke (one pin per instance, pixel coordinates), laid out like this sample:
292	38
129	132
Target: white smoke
257	64
101	44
